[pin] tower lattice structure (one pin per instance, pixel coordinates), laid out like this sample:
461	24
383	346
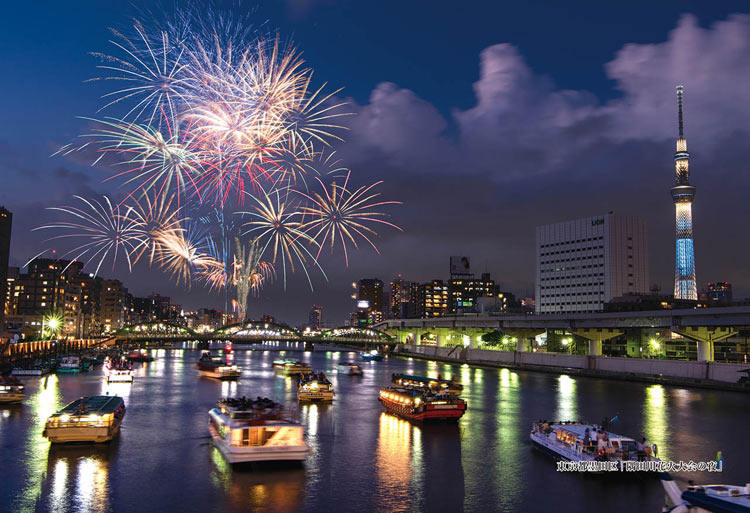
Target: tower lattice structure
683	194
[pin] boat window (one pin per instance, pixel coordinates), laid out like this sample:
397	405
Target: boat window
245	437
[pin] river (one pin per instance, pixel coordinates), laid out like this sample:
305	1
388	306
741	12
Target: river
362	459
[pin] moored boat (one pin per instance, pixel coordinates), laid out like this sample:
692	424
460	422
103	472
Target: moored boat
11	390
314	386
140	355
350	369
71	365
247	430
88	419
291	367
421	405
574	441
38	369
372	356
437	385
214	368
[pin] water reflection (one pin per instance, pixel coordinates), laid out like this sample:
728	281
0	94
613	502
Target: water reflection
655	418
567	400
393	463
509	453
261	489
42	403
77	477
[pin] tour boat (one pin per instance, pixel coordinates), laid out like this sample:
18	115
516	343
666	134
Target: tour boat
140	355
372	356
11	390
314	386
718	498
88	419
421	405
71	365
228	348
40	369
291	367
567	441
350	369
247	430
436	385
118	371
214	368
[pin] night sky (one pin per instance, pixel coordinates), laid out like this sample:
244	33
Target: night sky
485	119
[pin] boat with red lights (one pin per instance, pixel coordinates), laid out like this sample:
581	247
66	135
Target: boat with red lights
140	355
214	368
421	405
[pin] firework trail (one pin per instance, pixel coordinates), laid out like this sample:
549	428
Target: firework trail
107	230
340	215
277	225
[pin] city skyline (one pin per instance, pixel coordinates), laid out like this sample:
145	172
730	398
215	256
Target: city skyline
425	140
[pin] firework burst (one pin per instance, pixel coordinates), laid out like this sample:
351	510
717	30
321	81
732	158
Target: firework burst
341	215
105	229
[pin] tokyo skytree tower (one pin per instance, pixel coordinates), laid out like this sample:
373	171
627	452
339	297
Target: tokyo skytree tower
683	194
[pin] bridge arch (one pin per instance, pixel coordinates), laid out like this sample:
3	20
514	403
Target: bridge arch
157	328
356	332
256	329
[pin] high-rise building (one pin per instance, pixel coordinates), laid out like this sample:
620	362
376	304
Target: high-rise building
6	222
682	195
112	307
582	264
463	291
371	290
433	299
316	317
403	298
719	292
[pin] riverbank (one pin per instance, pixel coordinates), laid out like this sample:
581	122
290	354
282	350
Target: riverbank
712	375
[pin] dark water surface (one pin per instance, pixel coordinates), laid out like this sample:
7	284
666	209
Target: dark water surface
362	458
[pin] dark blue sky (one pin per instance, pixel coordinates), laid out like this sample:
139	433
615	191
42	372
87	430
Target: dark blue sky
431	52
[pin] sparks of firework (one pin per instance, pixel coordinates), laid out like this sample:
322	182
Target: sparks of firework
249	273
184	254
151	70
277	225
340	215
105	229
154	214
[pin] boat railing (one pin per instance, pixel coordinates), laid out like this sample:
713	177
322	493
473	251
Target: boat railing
55	422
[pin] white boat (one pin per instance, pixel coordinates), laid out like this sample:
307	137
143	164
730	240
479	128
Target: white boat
118	371
291	367
37	370
88	419
253	431
718	498
567	441
350	369
215	368
314	386
71	365
11	390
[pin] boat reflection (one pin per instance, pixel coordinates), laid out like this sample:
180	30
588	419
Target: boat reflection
411	466
77	477
264	488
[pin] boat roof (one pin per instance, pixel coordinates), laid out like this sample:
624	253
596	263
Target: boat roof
424	379
580	430
93	404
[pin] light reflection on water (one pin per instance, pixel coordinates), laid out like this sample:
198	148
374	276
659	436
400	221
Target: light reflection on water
362	459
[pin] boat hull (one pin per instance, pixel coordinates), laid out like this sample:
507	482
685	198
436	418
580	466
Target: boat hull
120	378
430	413
12	398
219	375
239	455
315	396
90	434
69	370
31	372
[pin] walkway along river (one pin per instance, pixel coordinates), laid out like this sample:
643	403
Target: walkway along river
362	458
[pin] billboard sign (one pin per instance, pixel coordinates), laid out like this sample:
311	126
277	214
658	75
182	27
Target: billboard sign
460	265
363	304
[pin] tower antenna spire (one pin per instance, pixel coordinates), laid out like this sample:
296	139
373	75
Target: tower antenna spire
679	110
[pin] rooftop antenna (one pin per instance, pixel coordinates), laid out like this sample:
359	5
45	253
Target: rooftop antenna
679	110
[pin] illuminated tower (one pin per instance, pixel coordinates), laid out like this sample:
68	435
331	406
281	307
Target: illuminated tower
683	194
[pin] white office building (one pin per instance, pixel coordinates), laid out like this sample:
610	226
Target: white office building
582	264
